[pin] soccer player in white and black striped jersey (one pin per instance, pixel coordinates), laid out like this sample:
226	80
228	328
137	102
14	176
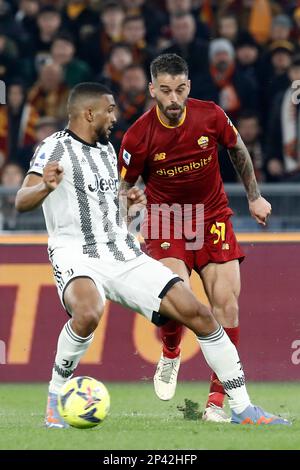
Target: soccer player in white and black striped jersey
74	176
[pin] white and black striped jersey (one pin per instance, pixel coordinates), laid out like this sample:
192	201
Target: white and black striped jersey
84	209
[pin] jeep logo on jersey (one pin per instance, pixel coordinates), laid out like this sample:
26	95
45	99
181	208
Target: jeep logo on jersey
104	184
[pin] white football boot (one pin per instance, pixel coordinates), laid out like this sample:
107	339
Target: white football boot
215	414
165	378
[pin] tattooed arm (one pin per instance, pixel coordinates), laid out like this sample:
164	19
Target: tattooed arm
125	186
242	163
259	208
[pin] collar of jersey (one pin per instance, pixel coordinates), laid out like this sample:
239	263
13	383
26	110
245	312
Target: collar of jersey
172	127
76	137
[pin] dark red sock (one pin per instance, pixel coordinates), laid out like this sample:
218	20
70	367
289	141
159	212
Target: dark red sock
216	390
171	334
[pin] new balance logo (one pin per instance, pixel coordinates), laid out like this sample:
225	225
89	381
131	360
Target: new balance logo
159	156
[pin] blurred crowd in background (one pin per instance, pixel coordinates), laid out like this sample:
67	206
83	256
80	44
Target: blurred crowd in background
242	54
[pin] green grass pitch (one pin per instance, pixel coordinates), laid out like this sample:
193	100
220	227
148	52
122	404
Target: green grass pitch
139	420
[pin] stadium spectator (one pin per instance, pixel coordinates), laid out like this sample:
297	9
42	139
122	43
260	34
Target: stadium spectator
37	52
177	7
154	18
281	53
274	76
97	45
134	35
120	57
228	27
250	131
132	100
26	16
8	26
17	123
186	44
12	176
281	28
248	58
48	21
49	94
112	17
283	149
79	19
8	58
224	84
63	53
11	179
295	33
44	127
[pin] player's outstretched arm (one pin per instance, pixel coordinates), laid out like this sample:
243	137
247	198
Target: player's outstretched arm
259	207
36	187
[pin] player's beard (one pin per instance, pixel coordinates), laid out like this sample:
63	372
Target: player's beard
102	136
173	120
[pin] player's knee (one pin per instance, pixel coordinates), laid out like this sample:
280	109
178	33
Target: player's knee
204	313
86	318
198	311
231	312
91	318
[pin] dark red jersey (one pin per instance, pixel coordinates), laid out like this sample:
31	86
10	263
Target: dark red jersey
180	164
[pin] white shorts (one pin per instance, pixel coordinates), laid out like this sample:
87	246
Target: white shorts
139	283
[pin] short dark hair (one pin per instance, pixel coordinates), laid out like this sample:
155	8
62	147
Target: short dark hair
130	18
48	9
171	64
182	14
248	114
120	45
64	36
111	5
134	67
226	15
86	90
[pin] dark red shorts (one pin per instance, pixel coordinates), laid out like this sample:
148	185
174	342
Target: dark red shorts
220	245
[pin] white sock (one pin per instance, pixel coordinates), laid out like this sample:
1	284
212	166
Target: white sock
70	349
222	356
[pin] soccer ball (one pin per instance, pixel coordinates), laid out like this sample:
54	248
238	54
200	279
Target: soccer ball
83	402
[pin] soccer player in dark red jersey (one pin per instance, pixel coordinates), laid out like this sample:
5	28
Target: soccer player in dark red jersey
174	147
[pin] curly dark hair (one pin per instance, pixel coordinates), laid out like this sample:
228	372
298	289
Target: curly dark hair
171	64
